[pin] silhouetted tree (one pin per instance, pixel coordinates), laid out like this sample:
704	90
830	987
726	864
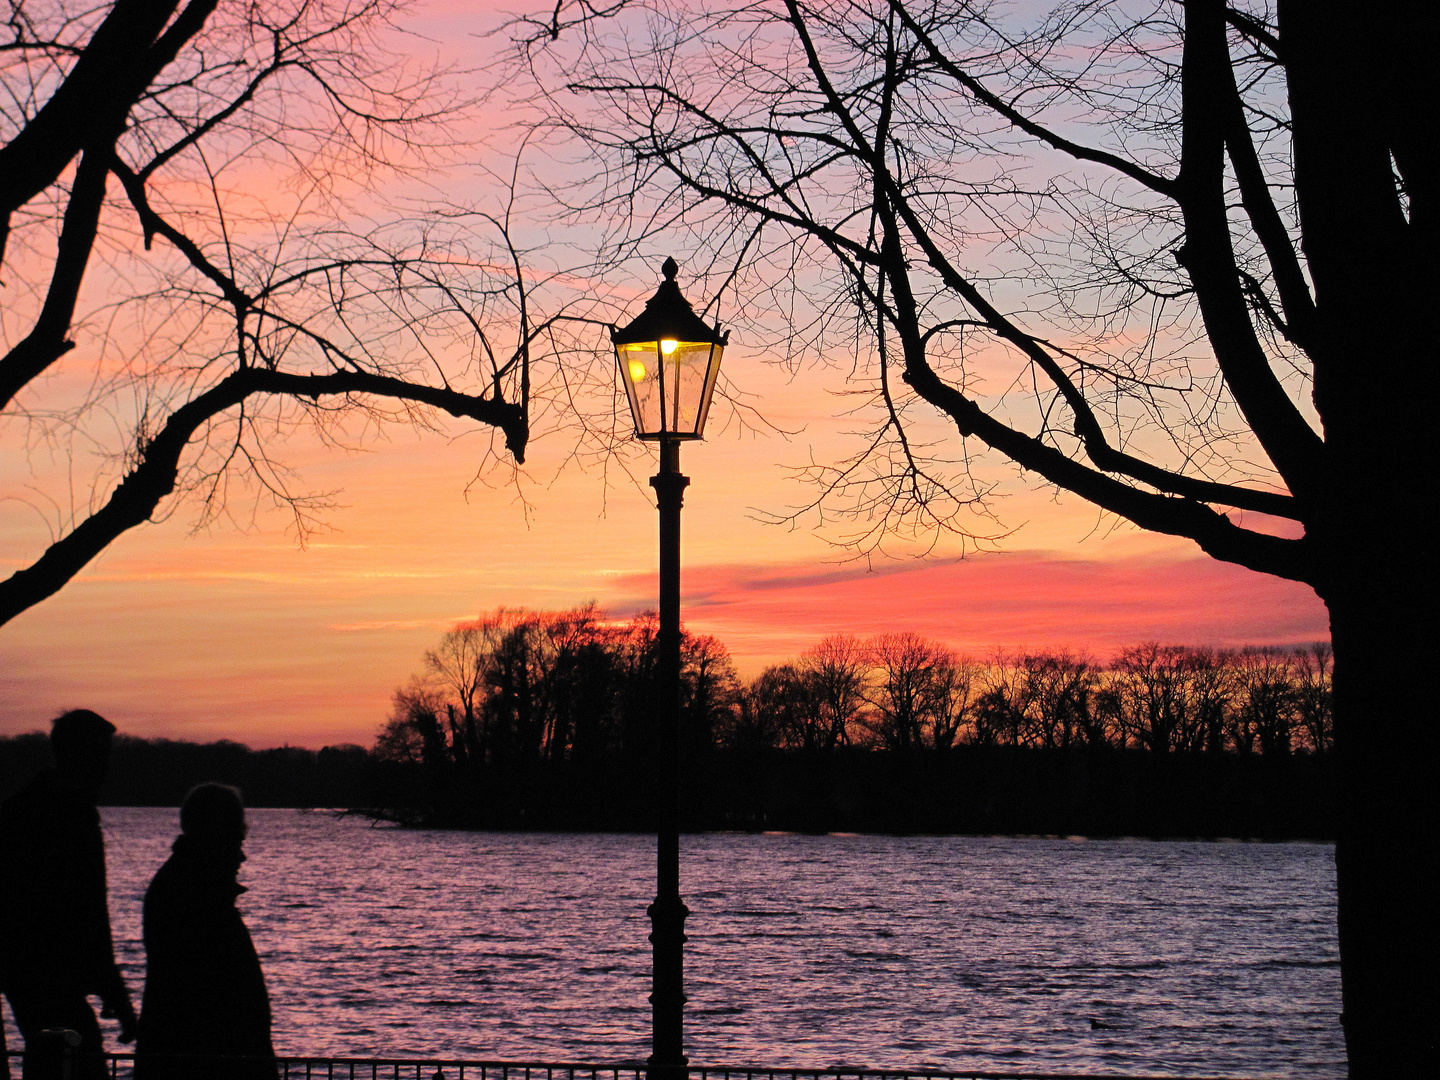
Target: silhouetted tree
512	705
582	685
1210	683
457	666
1004	703
1313	698
415	732
954	686
635	660
776	711
1057	693
1264	714
198	255
1148	688
837	672
401	740
516	689
1203	232
709	690
907	689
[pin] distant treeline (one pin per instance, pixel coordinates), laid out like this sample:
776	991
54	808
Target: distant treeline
545	720
158	772
535	687
968	789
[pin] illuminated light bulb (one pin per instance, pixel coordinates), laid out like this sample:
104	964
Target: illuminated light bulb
637	371
667	346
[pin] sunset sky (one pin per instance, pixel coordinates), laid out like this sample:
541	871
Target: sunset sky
242	634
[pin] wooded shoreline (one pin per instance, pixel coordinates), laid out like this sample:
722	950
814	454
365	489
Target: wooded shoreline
1091	791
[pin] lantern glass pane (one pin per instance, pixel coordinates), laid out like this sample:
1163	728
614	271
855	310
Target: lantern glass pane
690	362
640	374
669	384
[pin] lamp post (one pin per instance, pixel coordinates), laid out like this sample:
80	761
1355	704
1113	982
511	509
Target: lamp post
669	360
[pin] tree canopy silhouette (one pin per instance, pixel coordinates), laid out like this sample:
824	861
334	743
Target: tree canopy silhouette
1175	258
201	250
545	720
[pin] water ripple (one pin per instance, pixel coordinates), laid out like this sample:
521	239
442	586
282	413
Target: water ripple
1119	956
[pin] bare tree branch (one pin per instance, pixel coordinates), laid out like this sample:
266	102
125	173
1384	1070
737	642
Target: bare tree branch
154	475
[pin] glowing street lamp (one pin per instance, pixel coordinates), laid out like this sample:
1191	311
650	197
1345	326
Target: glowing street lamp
669	360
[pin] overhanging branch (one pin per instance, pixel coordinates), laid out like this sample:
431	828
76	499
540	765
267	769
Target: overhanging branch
153	478
1216	534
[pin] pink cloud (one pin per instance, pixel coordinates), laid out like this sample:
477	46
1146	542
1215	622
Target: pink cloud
1012	600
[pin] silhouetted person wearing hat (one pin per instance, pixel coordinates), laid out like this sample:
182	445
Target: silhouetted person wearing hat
55	945
204	990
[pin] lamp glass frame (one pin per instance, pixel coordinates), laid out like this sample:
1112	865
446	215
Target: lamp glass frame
669	384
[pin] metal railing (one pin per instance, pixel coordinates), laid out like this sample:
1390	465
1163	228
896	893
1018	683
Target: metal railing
120	1066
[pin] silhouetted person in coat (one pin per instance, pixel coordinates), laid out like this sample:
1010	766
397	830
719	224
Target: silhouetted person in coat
204	990
55	946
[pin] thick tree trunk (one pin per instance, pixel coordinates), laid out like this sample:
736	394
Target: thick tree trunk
1388	853
1361	91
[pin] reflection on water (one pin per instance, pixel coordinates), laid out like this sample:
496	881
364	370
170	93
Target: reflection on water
955	952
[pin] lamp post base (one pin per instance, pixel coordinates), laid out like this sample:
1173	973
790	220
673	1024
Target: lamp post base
667	1060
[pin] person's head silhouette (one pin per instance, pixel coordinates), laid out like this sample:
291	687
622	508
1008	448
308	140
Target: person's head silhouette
213	814
80	741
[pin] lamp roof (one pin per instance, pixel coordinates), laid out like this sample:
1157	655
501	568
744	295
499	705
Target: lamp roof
668	315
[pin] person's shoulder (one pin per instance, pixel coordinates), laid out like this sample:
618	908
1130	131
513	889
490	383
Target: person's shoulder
165	878
183	899
165	894
178	880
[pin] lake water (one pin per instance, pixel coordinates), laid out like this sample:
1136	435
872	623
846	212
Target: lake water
949	952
